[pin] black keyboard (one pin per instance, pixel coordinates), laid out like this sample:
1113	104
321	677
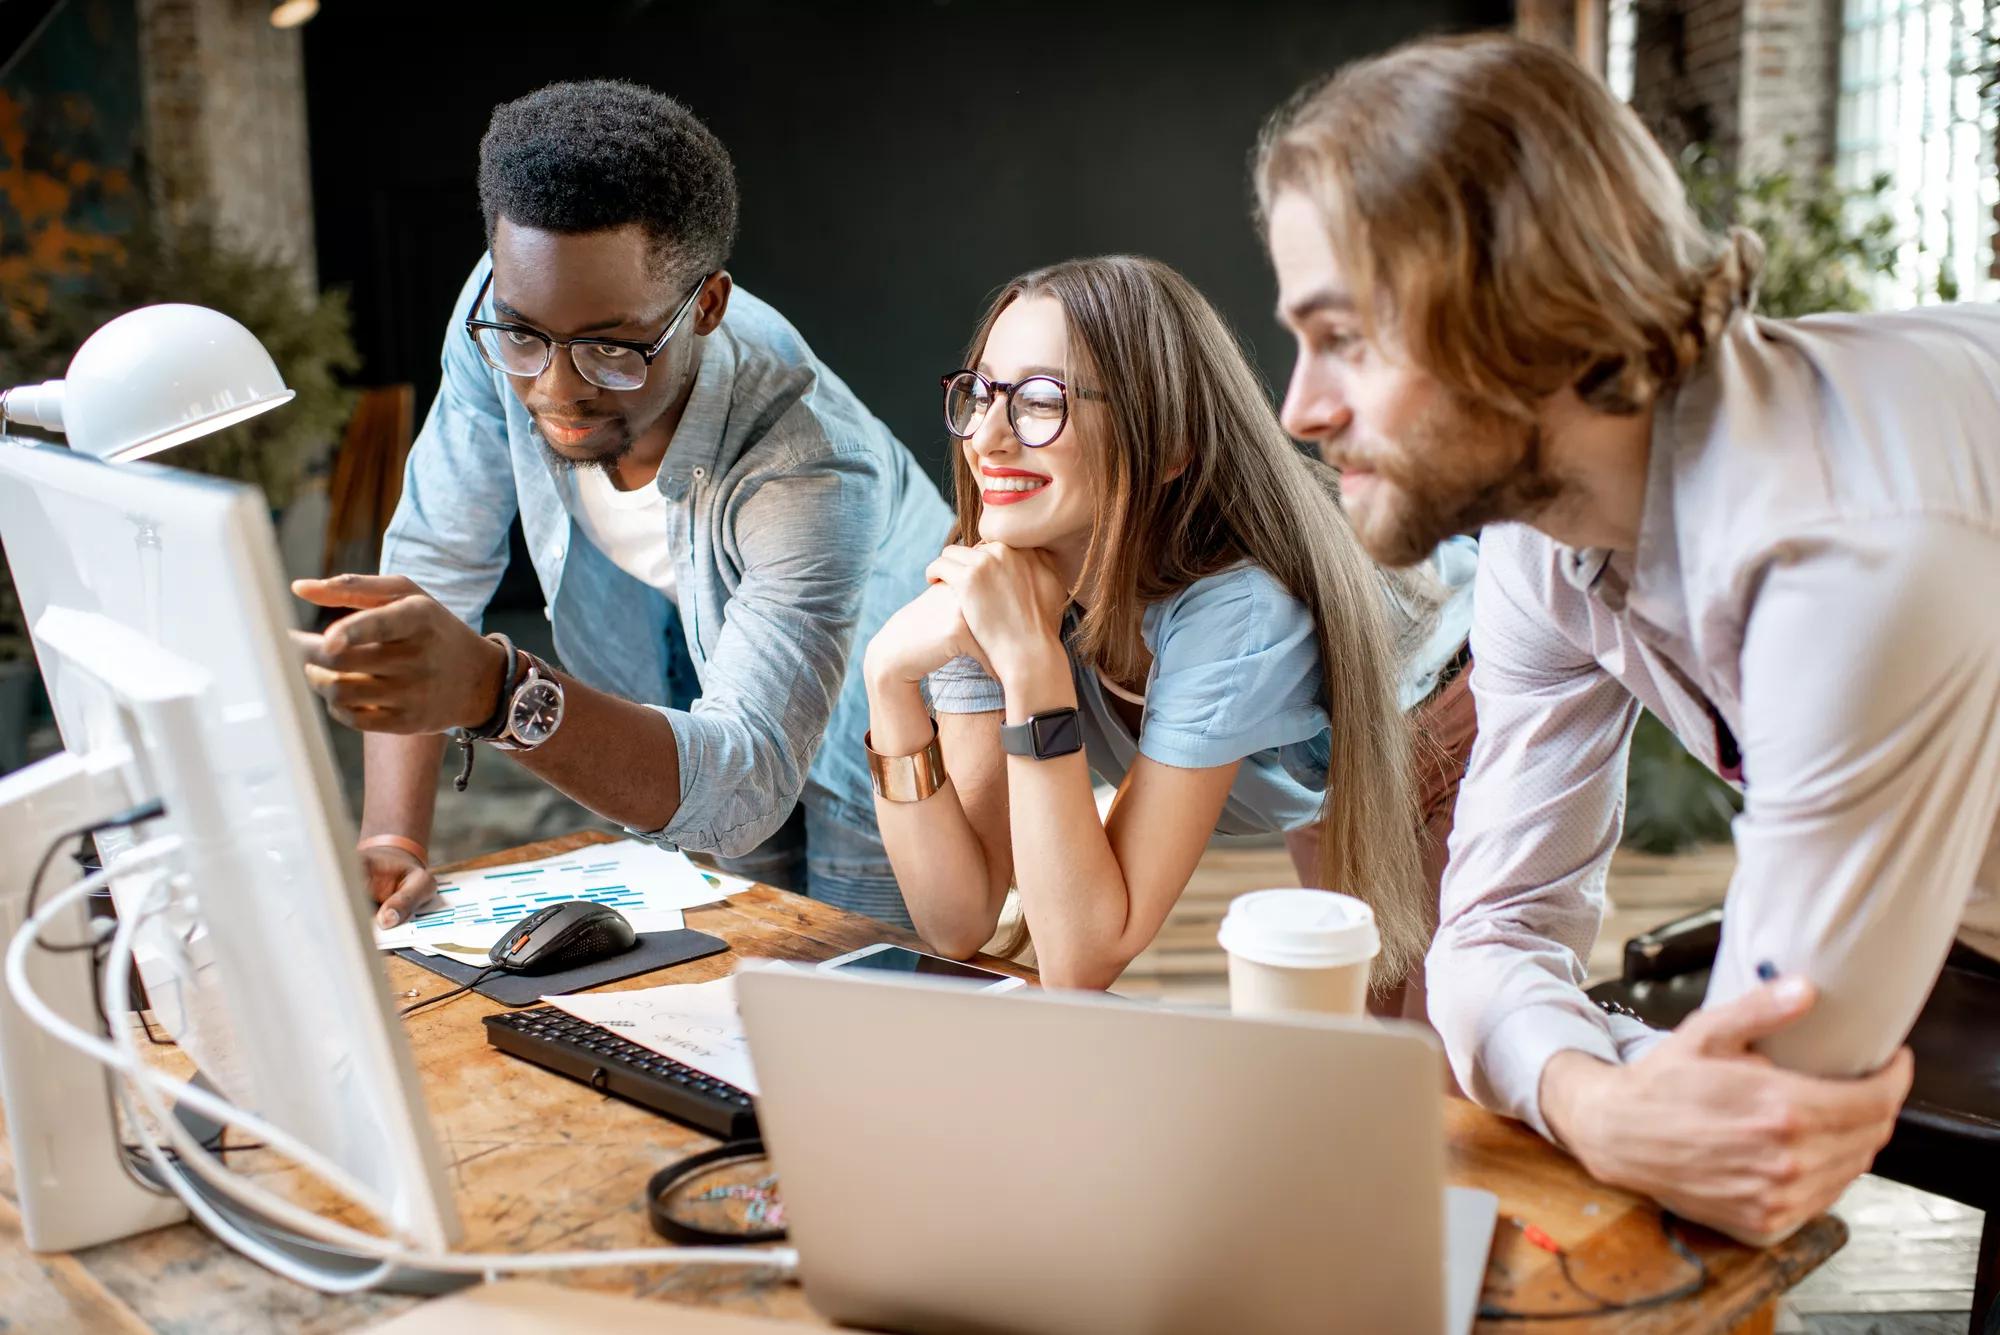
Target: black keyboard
599	1058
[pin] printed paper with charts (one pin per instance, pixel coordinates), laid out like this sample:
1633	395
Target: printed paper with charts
473	909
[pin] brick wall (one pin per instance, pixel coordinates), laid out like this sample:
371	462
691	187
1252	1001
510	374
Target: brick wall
1791	82
226	124
1754	79
1686	71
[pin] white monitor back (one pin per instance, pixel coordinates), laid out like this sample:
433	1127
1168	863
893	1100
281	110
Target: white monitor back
161	619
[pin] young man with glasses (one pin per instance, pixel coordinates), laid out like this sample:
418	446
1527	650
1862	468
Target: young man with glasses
716	521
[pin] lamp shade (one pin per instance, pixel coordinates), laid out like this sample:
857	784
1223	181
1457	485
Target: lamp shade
153	378
291	13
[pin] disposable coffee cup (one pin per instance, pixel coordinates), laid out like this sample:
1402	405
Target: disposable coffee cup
1298	951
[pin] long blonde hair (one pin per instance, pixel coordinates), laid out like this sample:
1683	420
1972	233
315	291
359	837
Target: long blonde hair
1194	476
1512	218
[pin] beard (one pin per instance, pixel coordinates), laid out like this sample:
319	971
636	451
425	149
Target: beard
605	455
1461	467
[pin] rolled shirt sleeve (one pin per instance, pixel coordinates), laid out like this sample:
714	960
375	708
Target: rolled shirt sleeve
1236	672
807	537
962	687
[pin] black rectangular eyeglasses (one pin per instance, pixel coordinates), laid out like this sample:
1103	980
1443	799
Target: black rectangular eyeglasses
608	363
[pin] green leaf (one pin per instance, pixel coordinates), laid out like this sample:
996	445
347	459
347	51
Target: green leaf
307	334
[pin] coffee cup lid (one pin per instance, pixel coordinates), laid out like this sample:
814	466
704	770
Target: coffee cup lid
1300	929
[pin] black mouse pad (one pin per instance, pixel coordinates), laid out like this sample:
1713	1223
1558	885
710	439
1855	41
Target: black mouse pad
655	950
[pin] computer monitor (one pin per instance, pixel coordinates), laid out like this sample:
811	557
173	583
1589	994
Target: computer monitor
159	614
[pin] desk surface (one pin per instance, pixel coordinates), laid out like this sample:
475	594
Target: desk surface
543	1163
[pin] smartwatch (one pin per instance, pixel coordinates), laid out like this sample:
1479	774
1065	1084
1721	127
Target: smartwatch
1043	736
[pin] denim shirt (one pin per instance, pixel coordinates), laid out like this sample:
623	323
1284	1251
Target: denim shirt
798	524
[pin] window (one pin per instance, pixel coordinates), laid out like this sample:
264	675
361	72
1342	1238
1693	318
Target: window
1917	84
1621	23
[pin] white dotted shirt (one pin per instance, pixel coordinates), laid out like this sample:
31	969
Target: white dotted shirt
1819	562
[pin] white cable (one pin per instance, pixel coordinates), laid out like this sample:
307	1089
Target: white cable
129	1063
784	1259
30	1002
192	1154
455	1262
98	1050
216	1223
122	1057
195	1155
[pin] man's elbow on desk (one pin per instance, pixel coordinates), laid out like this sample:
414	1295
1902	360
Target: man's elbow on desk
1716	1133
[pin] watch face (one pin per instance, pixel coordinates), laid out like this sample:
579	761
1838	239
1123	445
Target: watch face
1057	734
538	708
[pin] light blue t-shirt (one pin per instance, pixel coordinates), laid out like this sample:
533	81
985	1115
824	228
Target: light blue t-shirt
1236	676
1454	564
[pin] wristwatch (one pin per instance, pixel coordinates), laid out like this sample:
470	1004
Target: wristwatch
1043	736
528	712
534	710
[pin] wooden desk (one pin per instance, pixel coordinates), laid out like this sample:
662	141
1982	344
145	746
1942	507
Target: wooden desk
542	1163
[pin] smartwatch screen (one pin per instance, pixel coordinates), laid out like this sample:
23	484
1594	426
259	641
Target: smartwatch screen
1057	734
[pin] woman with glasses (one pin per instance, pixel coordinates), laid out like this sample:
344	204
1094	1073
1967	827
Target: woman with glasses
1150	581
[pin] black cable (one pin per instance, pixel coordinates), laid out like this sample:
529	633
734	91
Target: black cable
139	1165
35	890
138	815
1612	1306
146	1023
97	945
458	991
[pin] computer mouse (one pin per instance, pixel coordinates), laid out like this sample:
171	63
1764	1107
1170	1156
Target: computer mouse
568	935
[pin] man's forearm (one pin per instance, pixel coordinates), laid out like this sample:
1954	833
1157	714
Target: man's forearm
1566	1082
400	796
612	755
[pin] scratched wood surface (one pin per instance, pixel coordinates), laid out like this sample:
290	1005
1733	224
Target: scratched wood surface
538	1162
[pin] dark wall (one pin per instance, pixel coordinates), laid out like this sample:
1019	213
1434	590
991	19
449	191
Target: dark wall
898	160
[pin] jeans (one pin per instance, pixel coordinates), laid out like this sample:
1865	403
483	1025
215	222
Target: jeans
813	853
827	860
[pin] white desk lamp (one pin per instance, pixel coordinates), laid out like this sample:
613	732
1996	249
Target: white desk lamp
151	379
148	380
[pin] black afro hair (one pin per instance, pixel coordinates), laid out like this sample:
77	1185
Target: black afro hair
602	154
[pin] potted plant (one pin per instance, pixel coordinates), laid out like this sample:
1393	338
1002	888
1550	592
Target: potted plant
306	332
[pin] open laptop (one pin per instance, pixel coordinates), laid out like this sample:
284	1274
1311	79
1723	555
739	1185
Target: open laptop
964	1161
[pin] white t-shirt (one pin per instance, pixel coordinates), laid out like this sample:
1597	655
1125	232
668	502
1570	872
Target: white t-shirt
630	527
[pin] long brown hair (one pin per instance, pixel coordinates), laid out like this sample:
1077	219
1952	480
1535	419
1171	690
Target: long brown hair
1194	476
1512	218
